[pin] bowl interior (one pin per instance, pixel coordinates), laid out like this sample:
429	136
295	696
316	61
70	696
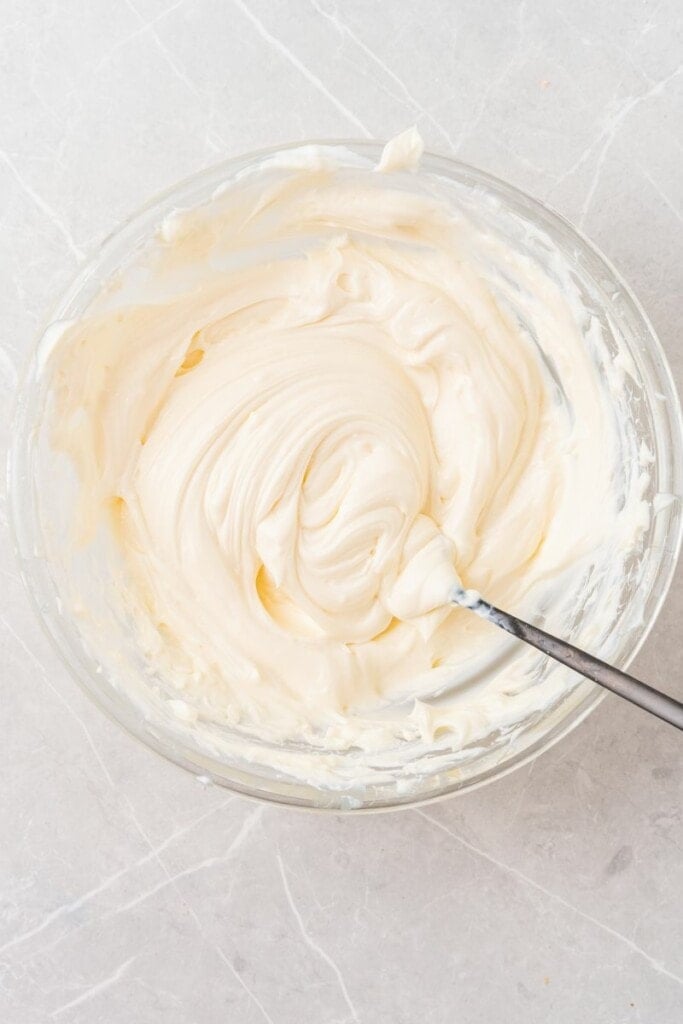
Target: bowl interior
42	485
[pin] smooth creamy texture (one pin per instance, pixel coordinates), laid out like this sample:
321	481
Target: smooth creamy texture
315	405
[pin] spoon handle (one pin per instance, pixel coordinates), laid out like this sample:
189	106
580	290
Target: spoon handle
660	704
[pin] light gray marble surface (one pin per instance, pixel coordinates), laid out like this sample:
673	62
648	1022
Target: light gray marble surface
128	891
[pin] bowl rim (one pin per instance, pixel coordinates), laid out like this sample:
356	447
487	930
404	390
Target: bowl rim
21	511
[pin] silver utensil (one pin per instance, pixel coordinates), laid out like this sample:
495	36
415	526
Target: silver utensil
660	704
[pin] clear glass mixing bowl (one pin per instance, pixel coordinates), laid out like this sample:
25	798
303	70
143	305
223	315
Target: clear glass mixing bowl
40	485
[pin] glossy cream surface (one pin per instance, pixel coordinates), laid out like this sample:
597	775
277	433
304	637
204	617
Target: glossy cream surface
309	408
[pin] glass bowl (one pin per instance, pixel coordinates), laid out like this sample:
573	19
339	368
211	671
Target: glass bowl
39	484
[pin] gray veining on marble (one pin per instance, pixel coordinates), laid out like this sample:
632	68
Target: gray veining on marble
129	891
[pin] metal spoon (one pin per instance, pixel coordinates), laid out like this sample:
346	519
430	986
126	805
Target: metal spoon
660	704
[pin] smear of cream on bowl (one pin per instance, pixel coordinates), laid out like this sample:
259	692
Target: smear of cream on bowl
305	410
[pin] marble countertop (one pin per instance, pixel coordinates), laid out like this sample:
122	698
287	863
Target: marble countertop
129	891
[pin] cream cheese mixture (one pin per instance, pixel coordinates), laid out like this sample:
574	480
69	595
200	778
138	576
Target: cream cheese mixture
313	405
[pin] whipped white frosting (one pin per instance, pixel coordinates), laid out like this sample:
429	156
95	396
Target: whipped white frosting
307	410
